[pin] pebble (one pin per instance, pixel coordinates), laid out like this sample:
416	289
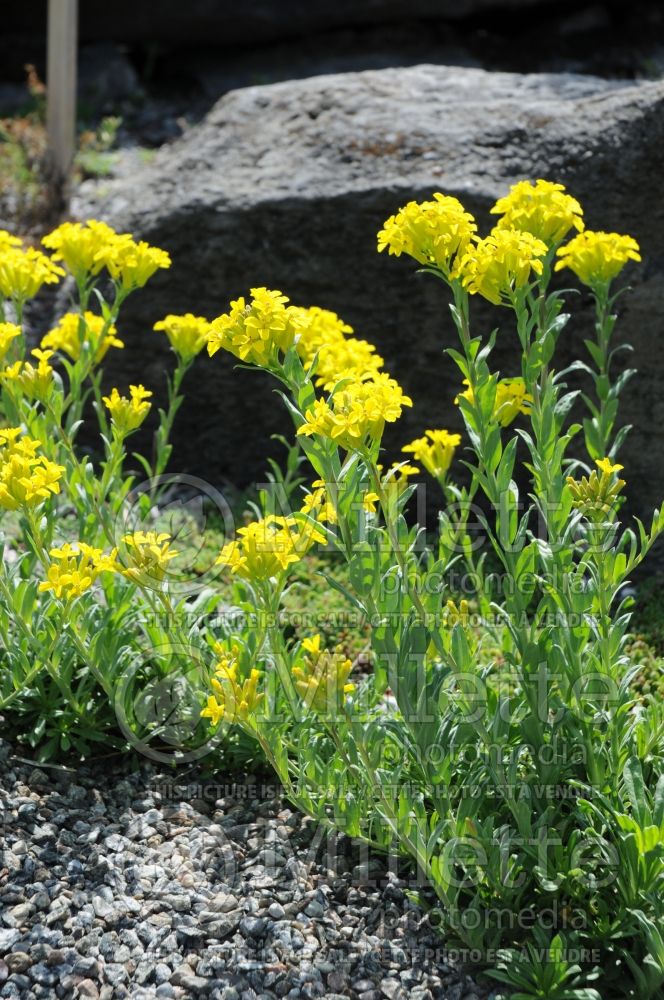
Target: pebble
120	890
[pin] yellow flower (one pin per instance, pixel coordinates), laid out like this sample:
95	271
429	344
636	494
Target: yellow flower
500	263
596	258
322	680
74	569
312	644
232	701
14	442
369	501
147	554
7	240
357	411
128	414
433	232
74	330
317	505
268	547
316	328
8	333
435	451
542	209
131	264
79	245
511	399
321	332
23	272
254	331
187	334
26	478
605	466
597	495
35	382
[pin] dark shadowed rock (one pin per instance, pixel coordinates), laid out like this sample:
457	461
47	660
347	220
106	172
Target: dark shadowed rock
287	185
227	22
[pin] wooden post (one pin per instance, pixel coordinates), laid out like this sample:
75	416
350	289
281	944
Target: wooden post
61	89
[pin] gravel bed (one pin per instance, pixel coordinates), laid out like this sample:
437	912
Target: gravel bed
147	884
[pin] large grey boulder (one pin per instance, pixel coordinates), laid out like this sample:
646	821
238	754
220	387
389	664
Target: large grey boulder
287	185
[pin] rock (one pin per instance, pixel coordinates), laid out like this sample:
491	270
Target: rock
20	914
86	988
7	938
18	961
287	185
228	23
253	927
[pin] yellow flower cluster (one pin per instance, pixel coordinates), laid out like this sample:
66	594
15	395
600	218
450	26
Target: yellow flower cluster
74	331
317	505
500	263
266	548
322	680
542	209
23	272
315	328
597	258
128	414
534	217
511	399
26	478
357	412
80	245
321	332
186	334
75	568
86	248
7	240
232	701
8	333
435	451
145	555
132	264
254	331
596	495
433	232
34	381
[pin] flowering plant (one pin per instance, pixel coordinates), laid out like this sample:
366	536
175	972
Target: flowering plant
497	742
81	586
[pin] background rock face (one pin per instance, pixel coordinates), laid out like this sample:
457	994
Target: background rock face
228	22
287	185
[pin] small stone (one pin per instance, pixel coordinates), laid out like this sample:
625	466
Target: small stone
86	988
180	972
86	966
19	914
7	938
195	984
223	903
102	908
276	911
18	961
253	927
42	975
